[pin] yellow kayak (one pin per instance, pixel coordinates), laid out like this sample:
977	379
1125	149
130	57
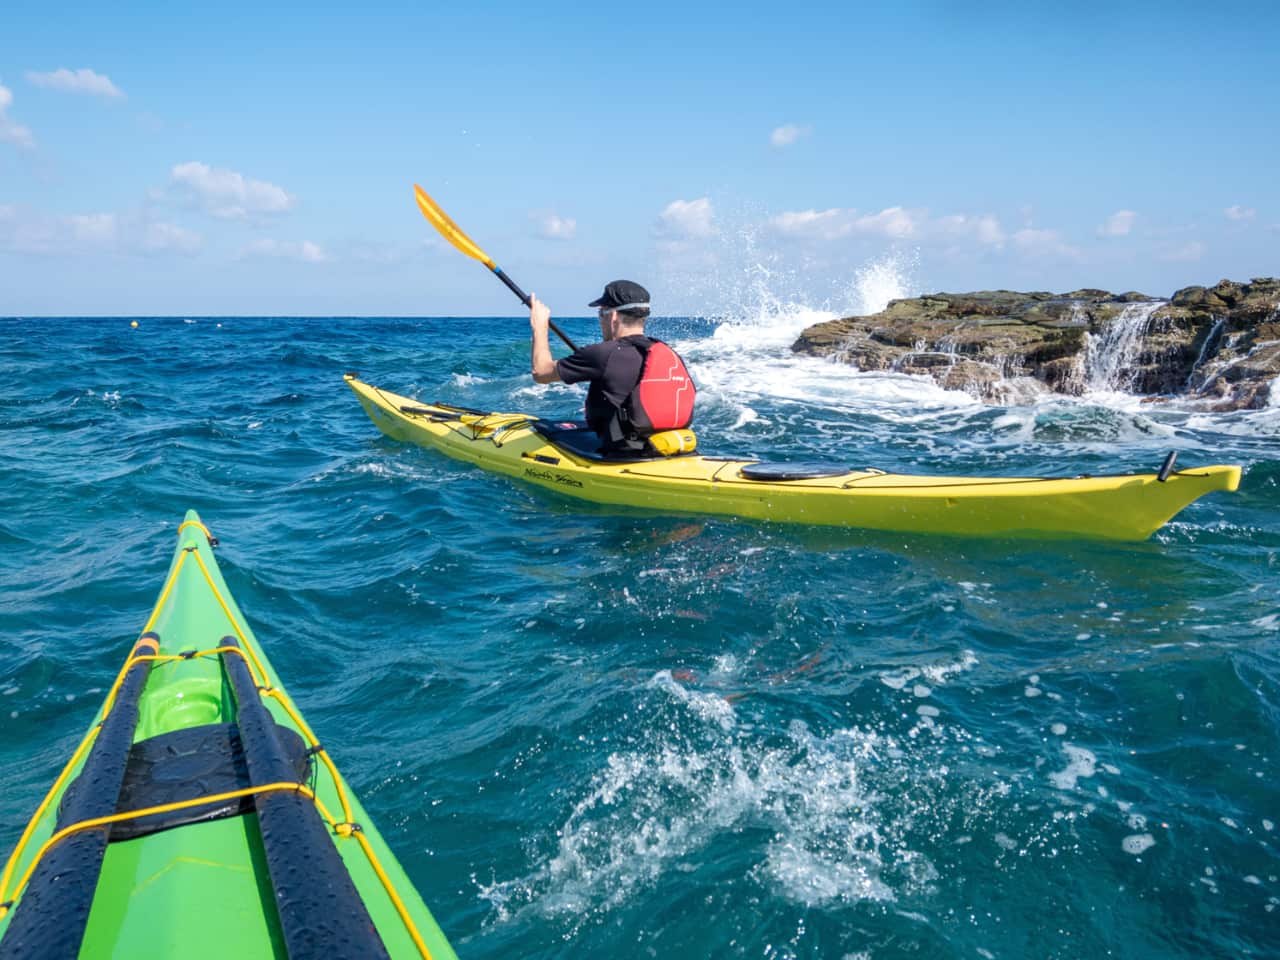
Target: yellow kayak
562	458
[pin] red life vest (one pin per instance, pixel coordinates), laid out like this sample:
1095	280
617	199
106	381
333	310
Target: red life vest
663	397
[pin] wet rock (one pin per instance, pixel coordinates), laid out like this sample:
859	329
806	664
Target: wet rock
1220	344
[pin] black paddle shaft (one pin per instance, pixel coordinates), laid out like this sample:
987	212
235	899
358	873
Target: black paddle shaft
524	298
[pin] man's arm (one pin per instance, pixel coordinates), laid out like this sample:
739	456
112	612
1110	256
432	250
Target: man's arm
544	368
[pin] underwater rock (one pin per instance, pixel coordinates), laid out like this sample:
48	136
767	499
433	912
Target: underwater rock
1219	344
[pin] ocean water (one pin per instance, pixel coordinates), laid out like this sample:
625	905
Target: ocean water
596	732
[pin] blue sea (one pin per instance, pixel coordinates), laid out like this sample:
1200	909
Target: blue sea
594	732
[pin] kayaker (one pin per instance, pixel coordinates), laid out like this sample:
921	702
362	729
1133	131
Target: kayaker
638	385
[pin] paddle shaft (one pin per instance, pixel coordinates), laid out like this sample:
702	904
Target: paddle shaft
524	298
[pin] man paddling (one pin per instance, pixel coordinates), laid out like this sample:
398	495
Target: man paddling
638	385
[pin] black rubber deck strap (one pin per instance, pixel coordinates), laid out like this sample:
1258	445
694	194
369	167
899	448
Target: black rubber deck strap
321	913
441	405
50	918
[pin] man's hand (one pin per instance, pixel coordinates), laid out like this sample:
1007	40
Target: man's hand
539	315
544	368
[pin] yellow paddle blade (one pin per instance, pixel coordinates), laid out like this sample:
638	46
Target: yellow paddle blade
448	229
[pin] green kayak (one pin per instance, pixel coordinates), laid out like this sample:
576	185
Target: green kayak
200	817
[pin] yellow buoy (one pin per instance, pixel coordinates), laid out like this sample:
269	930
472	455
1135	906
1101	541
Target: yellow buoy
133	323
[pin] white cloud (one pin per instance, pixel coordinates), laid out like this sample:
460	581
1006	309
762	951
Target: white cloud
311	252
32	232
10	130
788	134
555	227
894	222
1044	243
1237	212
76	81
1118	224
303	251
226	194
687	220
983	228
1186	253
169	237
831	224
373	253
94	229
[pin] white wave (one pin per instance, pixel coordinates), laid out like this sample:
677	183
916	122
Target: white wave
739	380
1137	843
940	673
528	390
937	673
1080	763
745	415
1242	423
709	707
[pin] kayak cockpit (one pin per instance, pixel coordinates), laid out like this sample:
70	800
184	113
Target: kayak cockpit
576	438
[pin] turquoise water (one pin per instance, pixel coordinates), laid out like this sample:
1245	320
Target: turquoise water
592	732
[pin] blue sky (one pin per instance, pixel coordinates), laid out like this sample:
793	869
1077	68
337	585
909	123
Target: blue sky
241	159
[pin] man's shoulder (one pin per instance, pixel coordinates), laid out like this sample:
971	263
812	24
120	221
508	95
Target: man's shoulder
601	349
593	354
585	363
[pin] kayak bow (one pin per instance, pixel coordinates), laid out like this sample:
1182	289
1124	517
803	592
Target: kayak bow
1121	507
200	817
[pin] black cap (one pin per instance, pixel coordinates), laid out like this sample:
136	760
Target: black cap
622	293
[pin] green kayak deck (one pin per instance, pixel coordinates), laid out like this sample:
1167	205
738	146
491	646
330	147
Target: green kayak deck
250	845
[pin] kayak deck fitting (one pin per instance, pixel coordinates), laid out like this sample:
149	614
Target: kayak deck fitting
200	817
1121	507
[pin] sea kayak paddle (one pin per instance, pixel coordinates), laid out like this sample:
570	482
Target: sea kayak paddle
453	233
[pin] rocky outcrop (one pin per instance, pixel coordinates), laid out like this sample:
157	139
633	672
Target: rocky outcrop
1218	344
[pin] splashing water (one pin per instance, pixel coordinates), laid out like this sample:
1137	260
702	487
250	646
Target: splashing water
889	277
841	830
748	354
774	308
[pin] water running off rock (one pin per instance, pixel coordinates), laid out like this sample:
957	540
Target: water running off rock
999	345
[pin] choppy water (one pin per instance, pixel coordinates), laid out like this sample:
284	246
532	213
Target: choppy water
590	732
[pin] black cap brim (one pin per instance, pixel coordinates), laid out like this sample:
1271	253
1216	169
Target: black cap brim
620	293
